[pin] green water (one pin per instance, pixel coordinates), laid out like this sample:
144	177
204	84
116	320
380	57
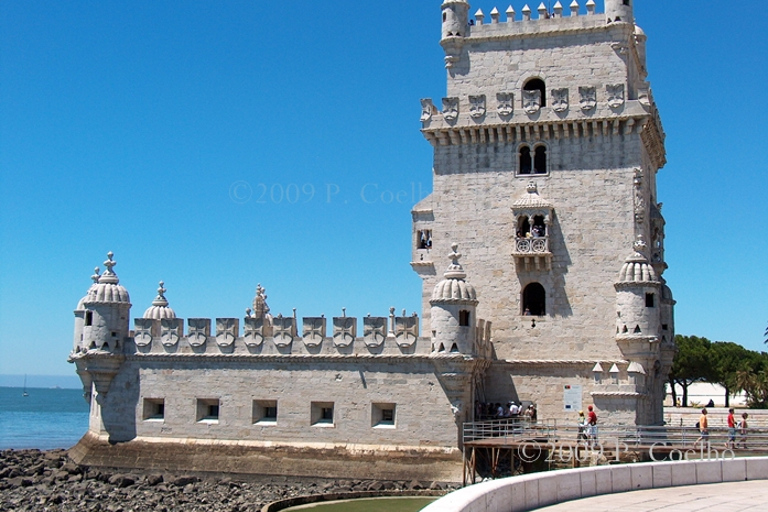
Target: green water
367	505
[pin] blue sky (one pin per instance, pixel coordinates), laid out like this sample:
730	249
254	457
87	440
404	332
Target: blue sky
217	145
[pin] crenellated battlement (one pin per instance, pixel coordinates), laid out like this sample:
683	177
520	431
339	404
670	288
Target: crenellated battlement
582	103
267	335
540	19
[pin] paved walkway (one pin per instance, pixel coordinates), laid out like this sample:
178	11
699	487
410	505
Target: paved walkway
725	497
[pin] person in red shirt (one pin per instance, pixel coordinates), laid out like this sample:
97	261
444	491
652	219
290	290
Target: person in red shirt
731	443
592	425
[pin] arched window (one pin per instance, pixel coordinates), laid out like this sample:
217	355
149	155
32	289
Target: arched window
526	164
540	160
537	84
534	300
532	160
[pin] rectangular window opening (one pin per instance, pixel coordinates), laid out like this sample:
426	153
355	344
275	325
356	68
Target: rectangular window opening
154	409
383	415
88	318
264	412
207	410
321	414
649	300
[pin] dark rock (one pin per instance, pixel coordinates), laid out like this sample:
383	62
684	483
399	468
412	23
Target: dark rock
184	480
414	485
153	480
121	481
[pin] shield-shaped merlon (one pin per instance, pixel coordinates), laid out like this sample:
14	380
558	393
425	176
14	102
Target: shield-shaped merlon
142	330
374	330
283	328
198	331
314	330
344	330
227	330
254	331
406	328
171	331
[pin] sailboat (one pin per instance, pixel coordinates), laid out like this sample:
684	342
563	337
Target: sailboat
24	393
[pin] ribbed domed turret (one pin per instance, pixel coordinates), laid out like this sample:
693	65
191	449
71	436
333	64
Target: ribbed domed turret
159	308
636	268
107	289
454	288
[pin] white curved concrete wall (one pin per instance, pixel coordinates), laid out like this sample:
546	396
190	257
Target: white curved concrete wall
528	492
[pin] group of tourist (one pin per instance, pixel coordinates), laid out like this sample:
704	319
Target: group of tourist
511	410
588	426
734	428
535	232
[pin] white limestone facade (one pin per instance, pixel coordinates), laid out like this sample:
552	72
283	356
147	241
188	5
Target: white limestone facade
541	252
546	150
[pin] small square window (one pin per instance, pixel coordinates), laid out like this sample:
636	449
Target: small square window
322	413
264	412
383	415
154	409
208	410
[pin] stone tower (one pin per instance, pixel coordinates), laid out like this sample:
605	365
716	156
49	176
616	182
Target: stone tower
546	149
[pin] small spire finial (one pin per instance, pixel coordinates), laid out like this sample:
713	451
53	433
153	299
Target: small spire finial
109	275
109	263
95	277
455	270
160	300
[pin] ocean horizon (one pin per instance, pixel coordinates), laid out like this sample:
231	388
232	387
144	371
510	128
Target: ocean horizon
46	419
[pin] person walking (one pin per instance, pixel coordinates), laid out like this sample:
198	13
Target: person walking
743	430
731	443
703	429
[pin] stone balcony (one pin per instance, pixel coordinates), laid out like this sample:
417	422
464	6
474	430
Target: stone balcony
532	254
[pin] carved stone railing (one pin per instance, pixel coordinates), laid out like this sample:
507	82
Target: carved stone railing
532	254
536	245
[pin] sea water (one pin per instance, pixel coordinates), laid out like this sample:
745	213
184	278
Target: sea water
44	419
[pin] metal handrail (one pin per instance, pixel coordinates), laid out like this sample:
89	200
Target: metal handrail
522	429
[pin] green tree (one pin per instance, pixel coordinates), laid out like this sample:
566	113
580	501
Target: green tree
753	380
692	363
727	359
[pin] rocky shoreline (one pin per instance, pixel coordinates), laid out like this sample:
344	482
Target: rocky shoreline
34	480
